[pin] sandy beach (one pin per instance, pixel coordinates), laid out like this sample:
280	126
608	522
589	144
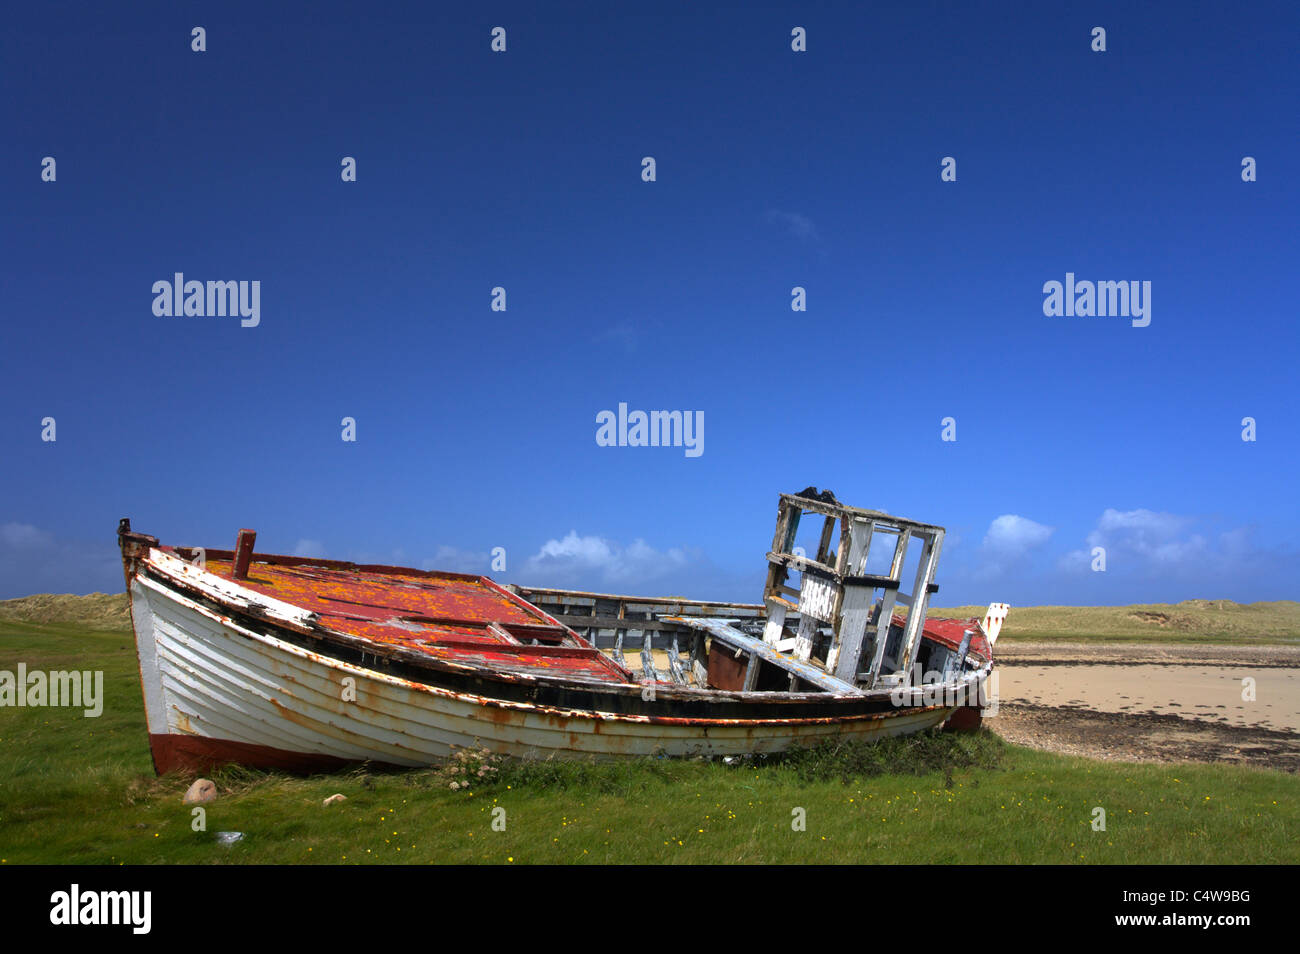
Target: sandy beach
1140	702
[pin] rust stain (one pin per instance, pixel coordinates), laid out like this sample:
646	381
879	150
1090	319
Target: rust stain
443	616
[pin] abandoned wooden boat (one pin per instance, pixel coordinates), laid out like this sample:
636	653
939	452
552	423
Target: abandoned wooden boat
309	664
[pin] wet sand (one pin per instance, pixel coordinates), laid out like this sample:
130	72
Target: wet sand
1151	702
1213	693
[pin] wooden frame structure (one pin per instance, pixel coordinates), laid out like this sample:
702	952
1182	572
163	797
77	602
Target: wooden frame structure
836	593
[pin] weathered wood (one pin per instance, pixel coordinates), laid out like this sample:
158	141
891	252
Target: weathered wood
610	622
859	546
777	610
920	600
854	607
879	517
818	598
846	652
887	601
675	664
787	525
496	629
804	636
696	647
803	564
699	664
824	544
540	594
727	635
648	660
848	534
956	659
700	670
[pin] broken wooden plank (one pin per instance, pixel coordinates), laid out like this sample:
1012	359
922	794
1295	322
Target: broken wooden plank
675	663
648	659
499	631
920	600
758	649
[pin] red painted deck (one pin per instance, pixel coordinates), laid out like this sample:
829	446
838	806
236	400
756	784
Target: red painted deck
443	615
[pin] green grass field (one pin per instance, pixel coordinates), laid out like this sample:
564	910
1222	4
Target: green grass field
79	790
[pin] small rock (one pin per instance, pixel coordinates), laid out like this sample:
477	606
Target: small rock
334	798
229	837
201	791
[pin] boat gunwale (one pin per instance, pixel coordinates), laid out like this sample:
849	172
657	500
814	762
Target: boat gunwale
674	600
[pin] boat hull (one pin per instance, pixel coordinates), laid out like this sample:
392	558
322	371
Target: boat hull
219	689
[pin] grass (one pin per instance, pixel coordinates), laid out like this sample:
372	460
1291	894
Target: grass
1192	621
78	790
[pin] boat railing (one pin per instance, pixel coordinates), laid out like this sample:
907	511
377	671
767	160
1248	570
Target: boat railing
622	625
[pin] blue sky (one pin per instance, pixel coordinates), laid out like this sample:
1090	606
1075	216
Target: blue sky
774	169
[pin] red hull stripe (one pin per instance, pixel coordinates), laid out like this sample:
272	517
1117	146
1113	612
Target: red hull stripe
192	753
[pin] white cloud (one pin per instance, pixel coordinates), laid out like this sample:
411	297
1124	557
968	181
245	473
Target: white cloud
1011	535
1151	557
595	561
1155	536
1007	544
1145	540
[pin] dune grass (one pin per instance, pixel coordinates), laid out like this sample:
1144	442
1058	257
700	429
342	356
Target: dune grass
1192	621
81	790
